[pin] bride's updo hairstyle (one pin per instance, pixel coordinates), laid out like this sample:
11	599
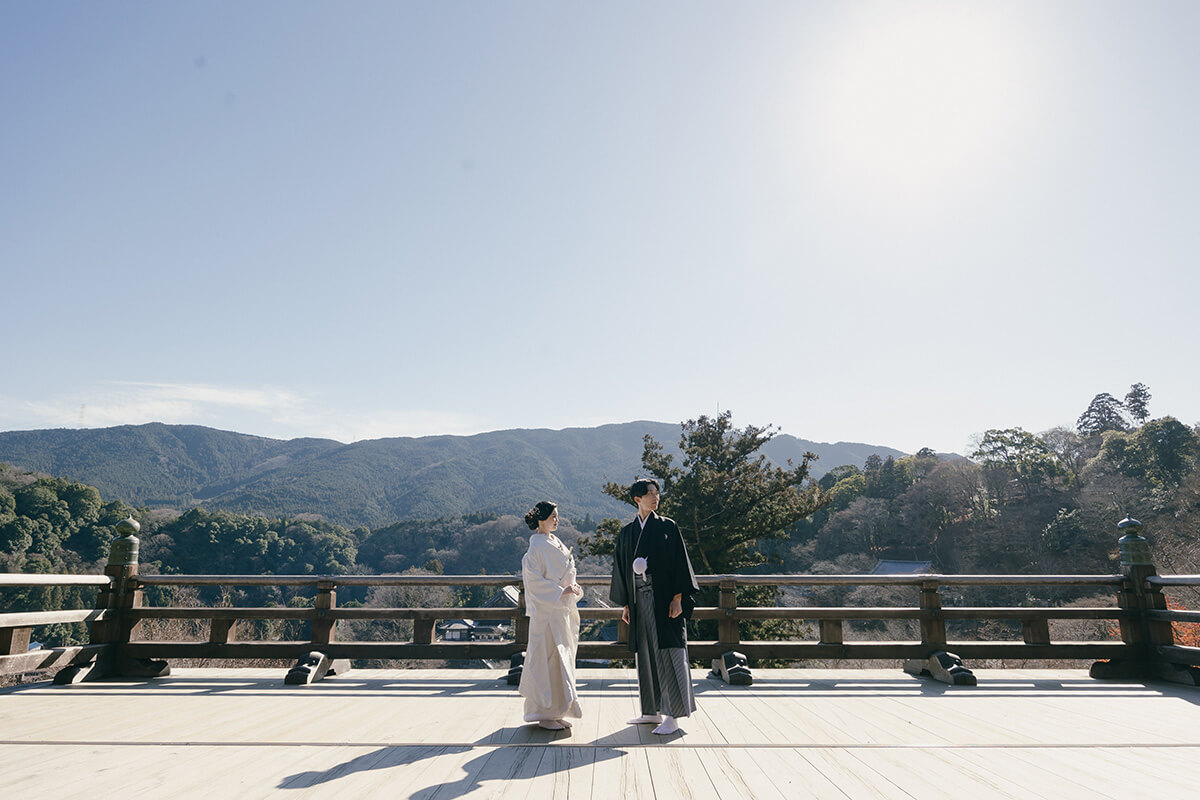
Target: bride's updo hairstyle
541	511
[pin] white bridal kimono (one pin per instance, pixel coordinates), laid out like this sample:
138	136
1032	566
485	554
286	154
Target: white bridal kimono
548	676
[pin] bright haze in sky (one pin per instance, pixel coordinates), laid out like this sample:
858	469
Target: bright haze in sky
895	223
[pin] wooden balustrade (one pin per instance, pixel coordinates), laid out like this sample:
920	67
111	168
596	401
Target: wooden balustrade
830	643
16	627
1146	644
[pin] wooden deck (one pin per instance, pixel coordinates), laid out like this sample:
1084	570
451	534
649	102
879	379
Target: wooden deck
447	733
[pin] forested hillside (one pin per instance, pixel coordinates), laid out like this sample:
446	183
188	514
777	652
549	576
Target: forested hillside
1026	503
1022	503
155	464
373	482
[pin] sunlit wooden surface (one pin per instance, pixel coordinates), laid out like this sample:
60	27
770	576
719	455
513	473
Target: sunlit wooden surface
453	733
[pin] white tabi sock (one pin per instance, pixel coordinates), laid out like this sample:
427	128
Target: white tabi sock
646	719
669	725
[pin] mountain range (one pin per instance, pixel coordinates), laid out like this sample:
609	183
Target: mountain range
371	482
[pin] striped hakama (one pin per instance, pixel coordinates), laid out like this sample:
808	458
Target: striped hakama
664	678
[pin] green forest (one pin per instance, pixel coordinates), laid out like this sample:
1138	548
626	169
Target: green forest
1020	503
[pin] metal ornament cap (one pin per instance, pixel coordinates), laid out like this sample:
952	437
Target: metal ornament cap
1134	549
123	550
1129	522
128	527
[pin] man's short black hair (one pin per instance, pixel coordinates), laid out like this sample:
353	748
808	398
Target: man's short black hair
642	486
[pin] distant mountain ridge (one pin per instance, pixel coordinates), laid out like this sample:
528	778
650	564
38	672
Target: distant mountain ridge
372	482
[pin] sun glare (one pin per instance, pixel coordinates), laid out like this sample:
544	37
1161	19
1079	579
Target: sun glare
921	100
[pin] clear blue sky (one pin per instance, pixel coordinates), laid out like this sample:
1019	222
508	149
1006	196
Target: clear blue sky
899	223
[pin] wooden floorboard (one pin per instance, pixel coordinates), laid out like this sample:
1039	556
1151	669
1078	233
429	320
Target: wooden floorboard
438	734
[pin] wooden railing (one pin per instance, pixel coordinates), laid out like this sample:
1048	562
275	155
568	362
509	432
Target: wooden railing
831	644
1158	620
1146	644
16	627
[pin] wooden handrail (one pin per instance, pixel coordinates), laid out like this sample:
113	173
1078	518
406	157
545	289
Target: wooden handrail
29	619
603	580
595	612
281	612
910	580
1173	580
38	579
1174	615
228	580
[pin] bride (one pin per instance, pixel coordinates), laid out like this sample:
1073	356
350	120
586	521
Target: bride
551	592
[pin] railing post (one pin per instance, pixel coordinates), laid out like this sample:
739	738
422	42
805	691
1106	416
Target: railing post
622	631
727	626
933	627
326	600
521	622
1142	635
423	630
831	631
316	664
938	664
122	566
121	596
123	569
14	641
1035	631
516	663
221	631
731	666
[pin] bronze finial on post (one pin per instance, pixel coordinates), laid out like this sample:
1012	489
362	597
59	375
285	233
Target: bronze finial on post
123	569
122	566
123	550
1135	550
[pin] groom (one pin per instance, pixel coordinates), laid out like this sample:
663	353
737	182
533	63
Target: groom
653	580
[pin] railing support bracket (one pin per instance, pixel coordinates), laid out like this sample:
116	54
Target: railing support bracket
732	668
1178	673
314	667
516	665
942	666
78	673
109	666
1118	669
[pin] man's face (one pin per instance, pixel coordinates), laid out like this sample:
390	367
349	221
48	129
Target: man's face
649	501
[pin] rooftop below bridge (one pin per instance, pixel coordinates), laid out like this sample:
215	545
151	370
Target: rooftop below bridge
458	733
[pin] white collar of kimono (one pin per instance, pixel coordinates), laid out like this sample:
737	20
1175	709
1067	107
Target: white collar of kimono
645	519
554	540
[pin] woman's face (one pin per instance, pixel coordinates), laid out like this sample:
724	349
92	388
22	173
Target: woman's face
550	523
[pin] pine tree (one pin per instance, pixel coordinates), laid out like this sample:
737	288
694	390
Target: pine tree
1102	414
724	495
1137	402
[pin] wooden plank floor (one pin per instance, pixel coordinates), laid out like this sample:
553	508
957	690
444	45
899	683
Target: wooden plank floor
458	733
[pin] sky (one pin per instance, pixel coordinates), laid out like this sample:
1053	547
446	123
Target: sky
900	223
